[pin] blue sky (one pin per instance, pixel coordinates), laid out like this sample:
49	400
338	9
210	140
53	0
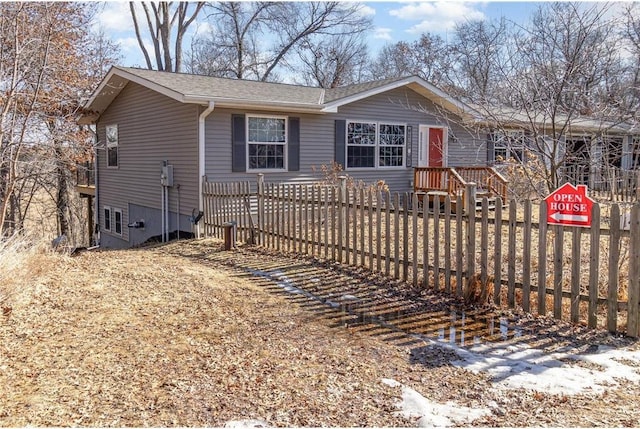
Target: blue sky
393	21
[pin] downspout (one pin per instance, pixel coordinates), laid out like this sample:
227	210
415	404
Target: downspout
96	200
201	155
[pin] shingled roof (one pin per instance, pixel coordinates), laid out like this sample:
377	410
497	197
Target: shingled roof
236	93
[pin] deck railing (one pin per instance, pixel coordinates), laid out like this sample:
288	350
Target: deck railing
85	175
438	179
487	179
453	180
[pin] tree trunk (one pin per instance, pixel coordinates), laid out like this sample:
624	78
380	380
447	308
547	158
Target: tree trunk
62	195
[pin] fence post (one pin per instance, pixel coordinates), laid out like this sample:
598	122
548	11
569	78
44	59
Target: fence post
470	209
261	211
342	191
633	322
470	198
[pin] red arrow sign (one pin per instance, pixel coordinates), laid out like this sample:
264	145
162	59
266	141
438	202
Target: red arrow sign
569	205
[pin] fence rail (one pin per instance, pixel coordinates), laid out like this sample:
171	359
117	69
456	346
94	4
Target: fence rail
508	255
611	183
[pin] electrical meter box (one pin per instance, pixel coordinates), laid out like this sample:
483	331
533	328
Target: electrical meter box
166	176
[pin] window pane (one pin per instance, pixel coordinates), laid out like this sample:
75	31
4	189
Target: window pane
391	156
264	130
392	141
361	133
107	219
112	135
508	145
266	156
360	156
112	156
118	222
392	135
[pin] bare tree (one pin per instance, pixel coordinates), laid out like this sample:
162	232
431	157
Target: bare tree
49	64
558	71
161	18
428	57
24	54
232	48
631	34
477	55
333	61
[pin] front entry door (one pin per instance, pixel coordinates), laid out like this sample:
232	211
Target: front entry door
431	148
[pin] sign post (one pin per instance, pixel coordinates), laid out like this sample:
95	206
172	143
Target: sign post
569	206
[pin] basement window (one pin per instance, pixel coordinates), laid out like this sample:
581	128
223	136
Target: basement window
117	221
107	218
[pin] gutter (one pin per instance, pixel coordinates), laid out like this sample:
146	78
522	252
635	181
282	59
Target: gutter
201	150
96	201
233	103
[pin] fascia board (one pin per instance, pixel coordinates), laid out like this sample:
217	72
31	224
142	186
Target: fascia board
113	91
244	104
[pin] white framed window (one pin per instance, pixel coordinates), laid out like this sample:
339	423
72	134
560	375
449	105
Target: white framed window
508	145
375	144
112	145
266	142
392	140
107	218
117	221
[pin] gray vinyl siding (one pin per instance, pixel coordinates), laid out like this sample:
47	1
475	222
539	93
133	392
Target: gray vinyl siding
316	147
317	140
151	128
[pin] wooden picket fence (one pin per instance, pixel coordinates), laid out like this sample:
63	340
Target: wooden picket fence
508	255
229	202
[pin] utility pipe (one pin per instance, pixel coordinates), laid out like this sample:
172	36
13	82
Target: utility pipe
162	212
178	214
201	155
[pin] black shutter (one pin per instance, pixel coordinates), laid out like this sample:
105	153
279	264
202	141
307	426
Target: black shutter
238	143
341	142
294	144
491	153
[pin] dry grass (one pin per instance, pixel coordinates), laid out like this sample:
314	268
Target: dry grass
183	335
24	261
142	338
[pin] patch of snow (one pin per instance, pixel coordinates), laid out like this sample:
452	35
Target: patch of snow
517	366
281	279
391	382
521	366
432	414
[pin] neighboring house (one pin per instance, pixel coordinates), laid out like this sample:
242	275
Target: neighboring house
231	130
585	145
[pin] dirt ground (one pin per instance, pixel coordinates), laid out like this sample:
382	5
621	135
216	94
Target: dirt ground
187	334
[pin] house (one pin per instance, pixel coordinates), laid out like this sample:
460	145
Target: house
159	134
588	149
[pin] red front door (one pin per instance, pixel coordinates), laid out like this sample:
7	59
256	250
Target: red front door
436	147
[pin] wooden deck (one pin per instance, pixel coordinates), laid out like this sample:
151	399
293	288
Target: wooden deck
453	181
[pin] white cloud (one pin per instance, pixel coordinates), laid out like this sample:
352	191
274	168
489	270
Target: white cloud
128	44
114	17
366	10
437	16
200	28
382	33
